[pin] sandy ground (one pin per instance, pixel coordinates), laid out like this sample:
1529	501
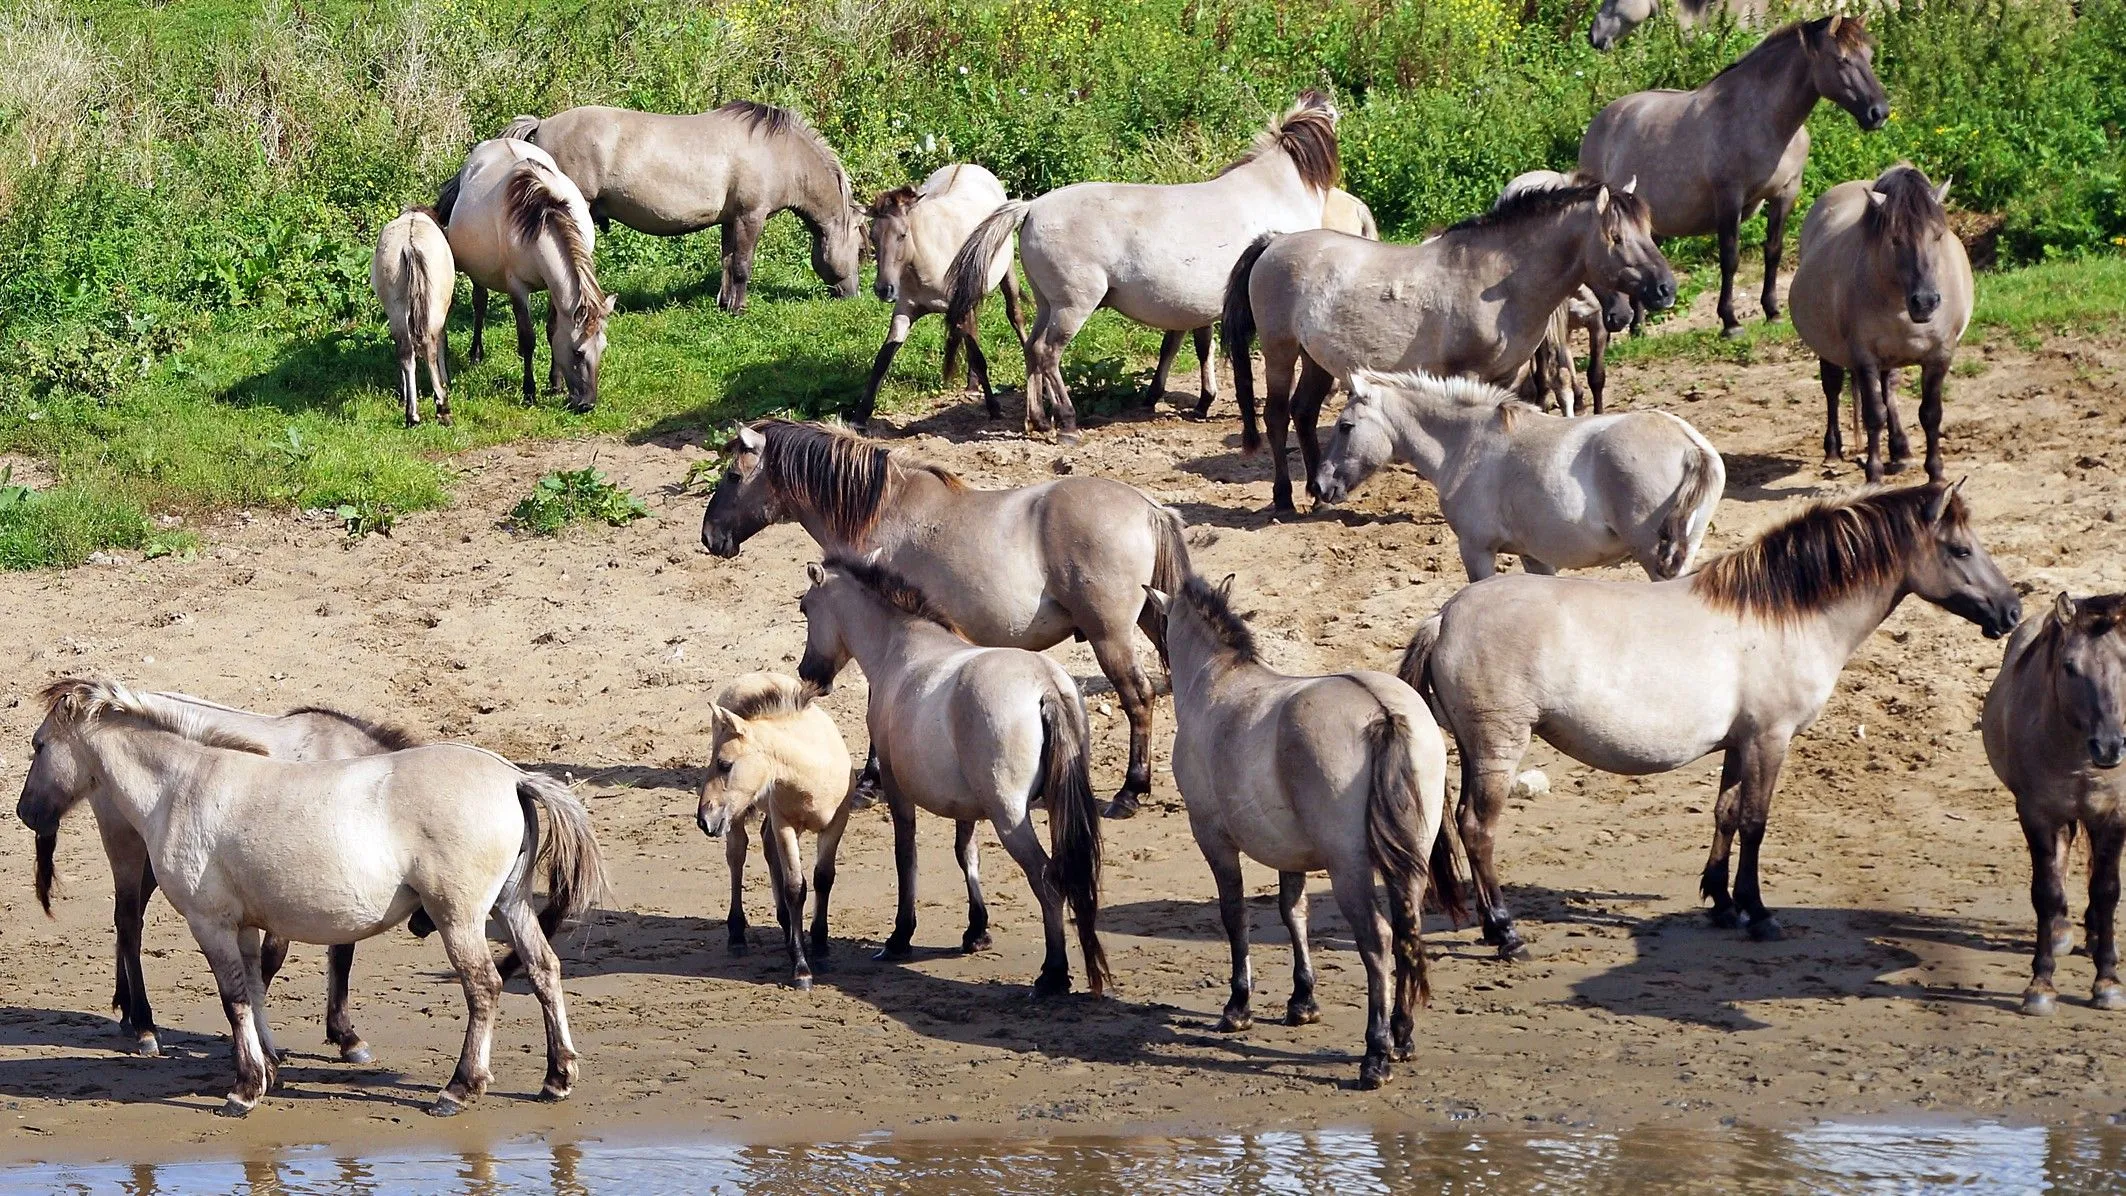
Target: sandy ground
1893	854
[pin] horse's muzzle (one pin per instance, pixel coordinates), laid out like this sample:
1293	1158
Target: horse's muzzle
886	293
1658	294
2106	751
712	827
1922	306
1873	117
722	544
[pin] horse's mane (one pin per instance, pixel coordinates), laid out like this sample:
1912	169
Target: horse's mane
771	121
1536	203
2098	614
767	695
85	700
893	590
1909	214
1851	36
1823	554
384	735
893	203
845	478
1307	135
1459	389
536	208
1227	628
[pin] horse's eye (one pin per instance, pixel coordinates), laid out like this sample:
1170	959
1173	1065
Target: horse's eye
1959	552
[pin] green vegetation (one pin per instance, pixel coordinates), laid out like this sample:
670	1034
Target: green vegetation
189	190
560	499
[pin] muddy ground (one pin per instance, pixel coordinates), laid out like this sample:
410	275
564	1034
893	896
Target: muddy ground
1893	853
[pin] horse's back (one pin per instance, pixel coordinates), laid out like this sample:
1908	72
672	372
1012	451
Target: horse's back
951	203
1668	142
960	727
482	239
660	173
1354	303
413	242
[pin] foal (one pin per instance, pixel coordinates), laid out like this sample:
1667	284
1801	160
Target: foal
777	753
2054	737
413	276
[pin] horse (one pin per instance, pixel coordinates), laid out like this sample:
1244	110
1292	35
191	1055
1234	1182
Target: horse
733	167
413	276
1563	493
2052	728
1615	19
1709	158
967	733
915	231
1882	283
518	225
1477	300
55	786
1347	213
1644	677
776	753
1345	773
1023	568
1597	313
332	852
1158	254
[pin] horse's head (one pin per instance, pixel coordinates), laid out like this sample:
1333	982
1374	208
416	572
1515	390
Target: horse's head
1904	219
1361	441
1842	67
1952	570
60	775
585	341
739	775
889	239
1616	309
838	250
744	501
1619	253
2089	673
1615	19
826	645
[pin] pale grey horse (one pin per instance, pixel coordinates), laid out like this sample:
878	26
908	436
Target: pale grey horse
1707	159
1158	254
334	852
413	276
732	167
971	734
1345	774
1477	299
1023	568
2054	735
915	232
1615	19
1882	283
1645	677
1563	493
56	784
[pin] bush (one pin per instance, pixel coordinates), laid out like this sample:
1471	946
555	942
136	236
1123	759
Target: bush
560	499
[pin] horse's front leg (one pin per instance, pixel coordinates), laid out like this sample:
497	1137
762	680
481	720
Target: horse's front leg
1169	344
1361	909
478	352
1224	860
903	812
734	855
1009	288
1727	816
896	334
465	942
786	873
255	1067
1279	371
964	850
1315	383
1292	907
1206	366
1867	393
339	1024
1478	559
1900	445
1758	774
1729	234
1776	210
554	381
2106	837
741	236
253	944
1833	379
527	342
830	843
132	883
544	970
1931	378
1117	655
2048	843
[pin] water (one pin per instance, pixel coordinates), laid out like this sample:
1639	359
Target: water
1976	1158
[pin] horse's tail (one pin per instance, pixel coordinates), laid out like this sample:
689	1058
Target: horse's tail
1690	509
1237	325
575	870
1392	841
521	128
1416	669
1170	563
447	199
1073	825
47	868
418	285
967	279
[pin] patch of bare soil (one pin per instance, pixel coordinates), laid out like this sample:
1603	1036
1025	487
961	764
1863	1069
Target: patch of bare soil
1893	855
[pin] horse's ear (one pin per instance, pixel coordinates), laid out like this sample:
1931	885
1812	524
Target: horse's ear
1225	588
874	556
1938	506
1877	198
751	439
1941	193
611	302
1831	30
1629	187
816	572
1157	600
2063	609
1602	200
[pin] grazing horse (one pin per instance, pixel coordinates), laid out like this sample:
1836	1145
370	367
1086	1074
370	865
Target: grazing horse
1344	774
1022	568
1158	254
915	231
1477	300
2053	734
1347	213
1597	313
55	785
333	852
777	753
518	225
1615	19
967	733
1563	493
1645	677
1882	283
413	276
1708	159
734	167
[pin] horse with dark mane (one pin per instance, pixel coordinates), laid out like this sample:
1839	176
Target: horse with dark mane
1645	677
1023	568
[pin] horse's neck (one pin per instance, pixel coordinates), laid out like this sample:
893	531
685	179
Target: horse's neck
911	501
816	188
1533	267
1841	628
1778	90
1428	438
1274	171
137	791
1205	669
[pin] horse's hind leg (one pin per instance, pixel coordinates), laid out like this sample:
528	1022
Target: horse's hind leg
465	942
1279	364
964	850
1833	379
255	1066
1315	383
1597	363
1487	778
1758	774
1169	345
543	968
786	874
1060	331
1117	653
409	385
2106	837
734	854
478	352
1224	860
1024	847
1206	366
2048	899
830	843
1292	907
439	374
1037	357
339	1024
741	235
978	370
1355	896
1009	287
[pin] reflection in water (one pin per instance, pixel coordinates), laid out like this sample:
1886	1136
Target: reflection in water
1827	1158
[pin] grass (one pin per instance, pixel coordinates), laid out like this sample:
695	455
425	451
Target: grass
574	496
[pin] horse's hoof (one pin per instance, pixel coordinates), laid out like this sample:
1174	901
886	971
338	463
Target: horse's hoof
1069	439
893	952
553	1092
1051	984
2110	998
280	1055
444	419
1725	918
1301	1013
1896	466
802	984
2040	1002
1203	409
1403	1051
738	946
1766	929
975	943
357	1053
147	1047
1124	806
1731	332
446	1106
235	1108
1374	1071
1236	1022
